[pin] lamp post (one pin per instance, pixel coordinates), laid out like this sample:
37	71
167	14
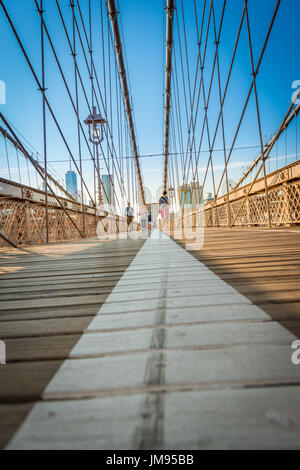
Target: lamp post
171	192
96	122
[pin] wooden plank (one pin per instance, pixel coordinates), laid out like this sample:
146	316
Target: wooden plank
53	327
107	255
49	313
51	295
188	315
279	312
48	302
57	286
62	272
263	418
282	312
25	381
52	281
173	324
50	348
220	367
196	336
10	418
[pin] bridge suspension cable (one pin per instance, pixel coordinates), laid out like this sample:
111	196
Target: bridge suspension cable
33	161
41	173
79	35
40	87
113	15
169	51
288	119
207	94
248	95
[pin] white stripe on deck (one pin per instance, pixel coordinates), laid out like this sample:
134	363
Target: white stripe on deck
172	325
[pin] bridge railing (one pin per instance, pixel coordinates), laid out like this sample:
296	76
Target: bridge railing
245	210
23	217
284	202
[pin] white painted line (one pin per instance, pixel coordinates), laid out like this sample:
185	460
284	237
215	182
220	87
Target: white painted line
125	296
143	285
202	336
180	289
179	315
266	418
88	377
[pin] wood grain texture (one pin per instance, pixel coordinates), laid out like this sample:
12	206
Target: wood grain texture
48	297
262	264
176	345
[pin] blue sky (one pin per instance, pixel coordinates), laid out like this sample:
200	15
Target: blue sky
143	28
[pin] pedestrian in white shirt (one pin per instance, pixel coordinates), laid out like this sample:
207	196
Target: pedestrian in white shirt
129	216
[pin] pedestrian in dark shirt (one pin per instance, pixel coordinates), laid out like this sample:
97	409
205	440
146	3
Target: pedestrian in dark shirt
149	221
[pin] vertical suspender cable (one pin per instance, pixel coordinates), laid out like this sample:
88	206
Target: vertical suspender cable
7	158
72	5
44	123
113	14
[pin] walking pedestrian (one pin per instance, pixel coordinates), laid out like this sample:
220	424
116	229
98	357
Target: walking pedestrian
129	216
164	209
149	221
143	217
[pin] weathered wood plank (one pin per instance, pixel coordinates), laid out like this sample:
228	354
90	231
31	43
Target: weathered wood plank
71	280
43	327
10	418
263	418
220	367
50	348
173	324
50	313
26	381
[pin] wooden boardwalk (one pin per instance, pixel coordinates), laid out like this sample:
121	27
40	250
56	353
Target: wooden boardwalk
48	298
126	344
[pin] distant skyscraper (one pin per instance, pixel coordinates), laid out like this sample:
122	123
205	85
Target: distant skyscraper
208	198
184	193
108	191
79	198
196	190
43	188
190	194
71	183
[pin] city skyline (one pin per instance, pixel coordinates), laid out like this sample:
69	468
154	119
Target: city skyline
146	81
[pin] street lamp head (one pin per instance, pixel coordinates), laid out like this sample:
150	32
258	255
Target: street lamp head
95	122
94	118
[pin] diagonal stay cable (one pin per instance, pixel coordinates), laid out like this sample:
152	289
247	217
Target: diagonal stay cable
250	90
40	87
107	129
193	123
192	119
217	42
76	111
96	167
113	14
254	75
223	100
24	151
